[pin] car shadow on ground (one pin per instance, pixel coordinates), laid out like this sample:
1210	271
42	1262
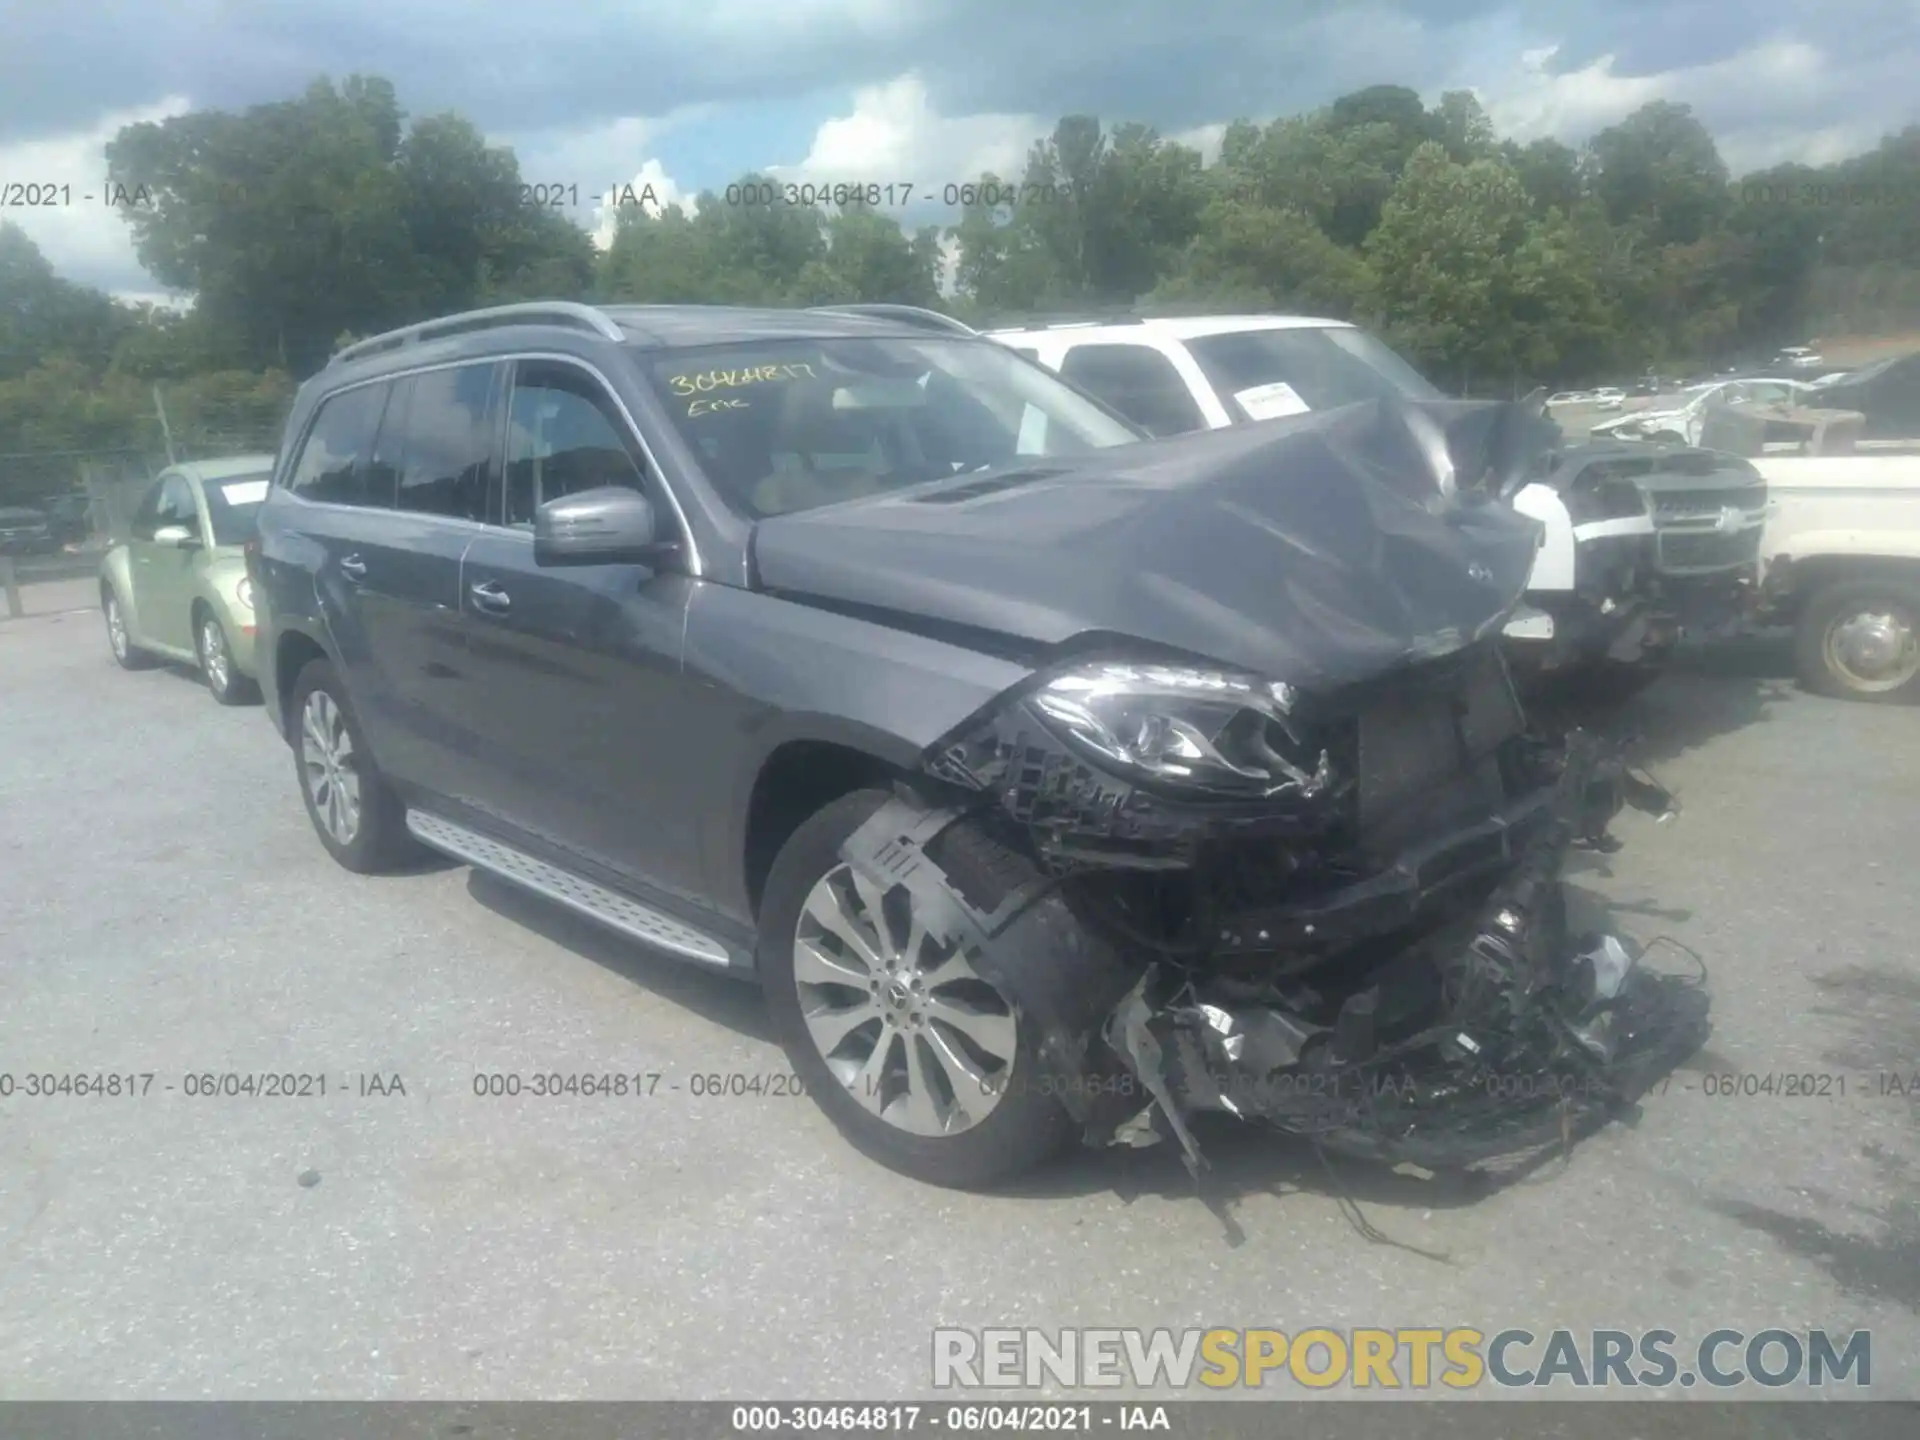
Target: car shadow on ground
1710	690
723	999
1869	1253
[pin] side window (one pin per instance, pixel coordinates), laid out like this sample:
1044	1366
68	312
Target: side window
381	481
448	444
564	434
146	519
1139	382
332	465
177	507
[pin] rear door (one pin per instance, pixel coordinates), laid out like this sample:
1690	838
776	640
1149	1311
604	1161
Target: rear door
578	687
387	576
432	466
163	571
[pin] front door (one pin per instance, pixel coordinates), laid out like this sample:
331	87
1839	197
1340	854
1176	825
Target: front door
578	668
164	544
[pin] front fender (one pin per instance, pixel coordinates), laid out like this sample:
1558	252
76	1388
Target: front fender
218	588
780	671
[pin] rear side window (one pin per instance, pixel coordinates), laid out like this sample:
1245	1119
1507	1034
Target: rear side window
332	466
564	435
1139	382
444	468
233	506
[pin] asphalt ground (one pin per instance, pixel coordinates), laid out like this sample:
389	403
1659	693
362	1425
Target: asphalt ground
165	910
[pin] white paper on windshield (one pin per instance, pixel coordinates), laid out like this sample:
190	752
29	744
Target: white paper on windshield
1270	402
244	492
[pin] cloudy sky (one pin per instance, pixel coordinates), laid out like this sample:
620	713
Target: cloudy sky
596	93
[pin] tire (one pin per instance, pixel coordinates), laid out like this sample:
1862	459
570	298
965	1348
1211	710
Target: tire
1820	652
119	639
377	841
1025	1125
226	684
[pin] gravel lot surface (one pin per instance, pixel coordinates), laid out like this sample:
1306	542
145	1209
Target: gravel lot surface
166	910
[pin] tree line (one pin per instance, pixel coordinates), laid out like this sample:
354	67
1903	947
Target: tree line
1486	261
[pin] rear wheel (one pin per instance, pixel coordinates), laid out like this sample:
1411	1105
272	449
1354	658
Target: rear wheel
920	1062
227	684
1860	640
353	808
119	638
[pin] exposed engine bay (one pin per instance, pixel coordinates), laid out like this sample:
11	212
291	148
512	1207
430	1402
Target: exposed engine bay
1359	936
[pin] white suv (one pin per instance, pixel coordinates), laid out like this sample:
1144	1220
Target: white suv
1609	582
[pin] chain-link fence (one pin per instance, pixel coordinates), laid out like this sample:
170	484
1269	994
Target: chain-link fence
83	494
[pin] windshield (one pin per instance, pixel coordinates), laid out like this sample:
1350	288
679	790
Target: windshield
1261	374
233	505
793	424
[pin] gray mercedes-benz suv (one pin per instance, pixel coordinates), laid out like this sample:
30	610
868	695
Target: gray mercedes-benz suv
1050	780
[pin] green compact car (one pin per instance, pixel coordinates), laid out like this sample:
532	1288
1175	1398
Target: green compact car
178	587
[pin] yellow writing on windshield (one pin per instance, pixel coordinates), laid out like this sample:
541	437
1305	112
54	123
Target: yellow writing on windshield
697	408
730	379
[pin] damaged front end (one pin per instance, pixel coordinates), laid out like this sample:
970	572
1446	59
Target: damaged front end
1313	881
1342	918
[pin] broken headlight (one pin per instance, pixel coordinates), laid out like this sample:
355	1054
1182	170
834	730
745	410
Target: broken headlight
1186	728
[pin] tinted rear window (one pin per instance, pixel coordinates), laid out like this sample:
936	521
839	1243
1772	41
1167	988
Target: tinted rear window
233	504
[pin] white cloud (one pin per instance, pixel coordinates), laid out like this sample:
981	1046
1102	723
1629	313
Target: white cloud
651	188
1765	105
1204	138
164	299
87	238
895	137
604	166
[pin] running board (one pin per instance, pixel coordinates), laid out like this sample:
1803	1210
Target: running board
563	887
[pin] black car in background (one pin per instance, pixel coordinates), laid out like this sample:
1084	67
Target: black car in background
1051	782
25	531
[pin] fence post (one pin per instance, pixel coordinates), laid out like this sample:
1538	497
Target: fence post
10	577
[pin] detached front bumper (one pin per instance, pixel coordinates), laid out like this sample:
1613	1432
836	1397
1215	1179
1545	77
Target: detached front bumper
1489	1038
1440	1010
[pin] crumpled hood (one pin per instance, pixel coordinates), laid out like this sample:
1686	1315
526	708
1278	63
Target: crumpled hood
1318	549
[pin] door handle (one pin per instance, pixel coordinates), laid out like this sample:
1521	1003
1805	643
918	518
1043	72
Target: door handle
353	567
490	597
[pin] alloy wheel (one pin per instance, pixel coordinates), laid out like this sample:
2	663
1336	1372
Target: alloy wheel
116	628
213	655
903	1021
331	766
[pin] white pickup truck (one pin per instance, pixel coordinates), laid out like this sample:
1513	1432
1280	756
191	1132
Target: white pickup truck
1641	540
1841	564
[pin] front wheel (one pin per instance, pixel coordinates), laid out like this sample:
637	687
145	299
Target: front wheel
126	654
1860	640
227	685
922	1064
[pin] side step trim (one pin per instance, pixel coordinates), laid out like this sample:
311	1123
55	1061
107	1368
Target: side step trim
563	887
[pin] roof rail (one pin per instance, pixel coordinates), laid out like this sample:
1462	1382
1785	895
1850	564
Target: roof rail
906	314
550	312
